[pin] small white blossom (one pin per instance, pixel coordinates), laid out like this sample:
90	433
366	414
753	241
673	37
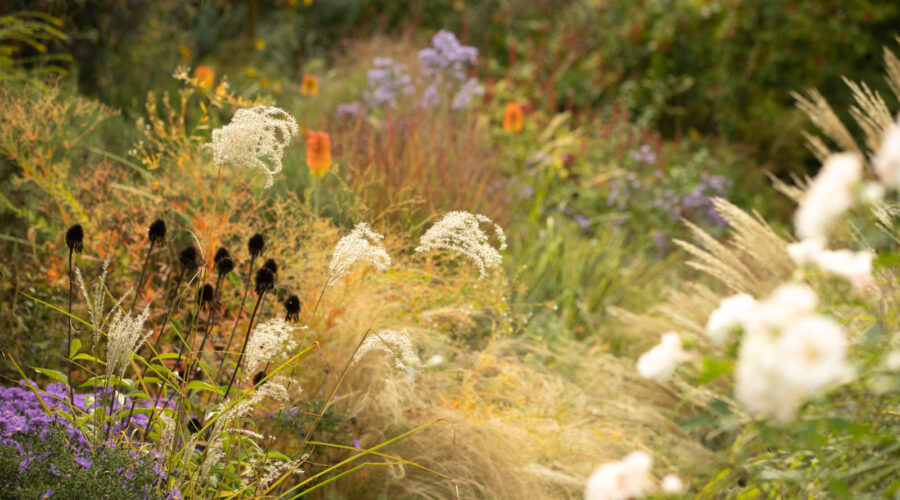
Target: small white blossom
732	312
887	159
461	232
659	362
786	303
623	480
361	245
254	134
672	485
830	195
892	361
434	360
855	267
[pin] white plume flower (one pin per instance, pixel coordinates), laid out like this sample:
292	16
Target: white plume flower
732	312
124	339
361	245
887	158
623	480
395	343
830	195
659	362
267	341
461	232
254	134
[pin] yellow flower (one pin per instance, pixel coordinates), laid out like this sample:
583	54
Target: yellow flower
513	118
260	44
205	76
309	86
318	153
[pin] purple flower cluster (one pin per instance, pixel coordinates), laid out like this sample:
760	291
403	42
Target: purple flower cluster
21	413
447	57
387	80
644	155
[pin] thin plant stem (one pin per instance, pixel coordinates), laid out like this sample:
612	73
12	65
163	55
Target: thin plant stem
209	324
137	292
69	344
237	366
237	318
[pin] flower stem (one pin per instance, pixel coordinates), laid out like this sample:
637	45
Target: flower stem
237	366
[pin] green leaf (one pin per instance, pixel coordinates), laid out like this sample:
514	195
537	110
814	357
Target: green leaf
714	368
76	346
54	374
204	386
85	356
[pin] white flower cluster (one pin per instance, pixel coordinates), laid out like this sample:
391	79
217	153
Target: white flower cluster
254	134
829	195
395	343
659	362
788	352
267	341
361	245
855	267
887	159
627	479
124	339
461	232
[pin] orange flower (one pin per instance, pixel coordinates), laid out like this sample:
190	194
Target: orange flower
513	118
318	153
205	76
309	86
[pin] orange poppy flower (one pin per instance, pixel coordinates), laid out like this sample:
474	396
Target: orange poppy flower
309	86
513	118
318	153
205	76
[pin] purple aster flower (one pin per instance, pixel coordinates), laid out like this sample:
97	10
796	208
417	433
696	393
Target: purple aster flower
47	494
84	462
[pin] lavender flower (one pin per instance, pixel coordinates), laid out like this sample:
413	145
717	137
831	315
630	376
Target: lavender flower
387	80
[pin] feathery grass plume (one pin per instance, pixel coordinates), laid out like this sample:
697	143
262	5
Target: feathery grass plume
266	341
292	308
361	245
870	112
395	343
892	70
75	238
124	339
461	232
96	301
824	117
255	245
254	134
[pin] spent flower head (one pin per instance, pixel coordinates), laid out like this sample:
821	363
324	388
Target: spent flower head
395	343
254	135
461	232
361	245
266	341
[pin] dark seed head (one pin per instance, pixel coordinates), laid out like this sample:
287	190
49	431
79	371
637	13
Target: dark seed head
205	294
194	424
188	258
75	238
157	231
265	281
271	266
258	377
221	253
255	244
225	265
292	308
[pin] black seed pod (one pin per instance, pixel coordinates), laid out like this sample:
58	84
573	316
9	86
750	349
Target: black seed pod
188	258
292	308
221	253
265	281
75	238
225	265
271	266
205	294
194	425
255	244
157	231
258	377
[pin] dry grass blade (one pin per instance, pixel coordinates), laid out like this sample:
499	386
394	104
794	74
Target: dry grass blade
824	117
